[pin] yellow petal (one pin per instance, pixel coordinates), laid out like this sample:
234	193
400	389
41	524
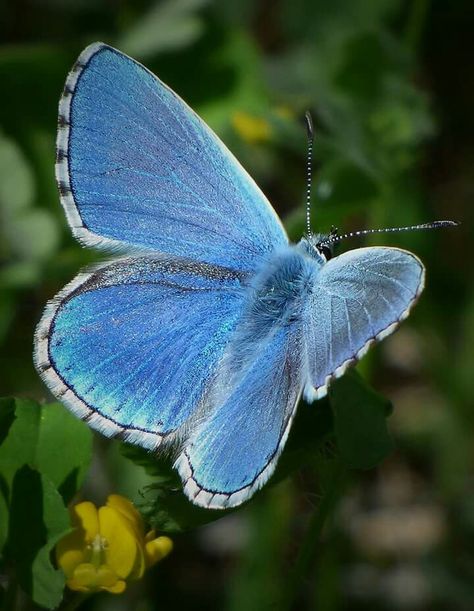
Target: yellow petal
85	576
140	563
251	128
73	585
156	549
71	550
117	588
122	546
69	553
85	515
88	578
284	112
105	577
127	510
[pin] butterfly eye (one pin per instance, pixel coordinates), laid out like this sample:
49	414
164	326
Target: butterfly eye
325	251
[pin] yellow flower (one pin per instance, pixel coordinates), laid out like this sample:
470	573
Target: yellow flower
108	547
250	128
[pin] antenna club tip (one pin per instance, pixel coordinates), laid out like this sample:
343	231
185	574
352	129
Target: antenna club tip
309	124
440	224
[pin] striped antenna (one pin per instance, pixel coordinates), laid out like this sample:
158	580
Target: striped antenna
309	164
334	238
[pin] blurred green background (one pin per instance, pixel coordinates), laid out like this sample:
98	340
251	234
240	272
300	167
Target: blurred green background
390	86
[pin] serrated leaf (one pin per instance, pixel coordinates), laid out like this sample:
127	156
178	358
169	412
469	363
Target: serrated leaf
360	422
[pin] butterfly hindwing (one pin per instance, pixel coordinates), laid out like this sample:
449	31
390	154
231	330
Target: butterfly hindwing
358	298
137	167
131	347
235	449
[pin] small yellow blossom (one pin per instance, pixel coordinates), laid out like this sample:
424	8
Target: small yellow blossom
285	113
108	546
250	128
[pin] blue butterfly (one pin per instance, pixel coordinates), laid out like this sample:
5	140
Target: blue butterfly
208	325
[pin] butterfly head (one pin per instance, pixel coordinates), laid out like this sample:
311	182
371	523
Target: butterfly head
316	245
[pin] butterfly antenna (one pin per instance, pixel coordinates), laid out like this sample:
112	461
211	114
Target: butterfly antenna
334	238
309	166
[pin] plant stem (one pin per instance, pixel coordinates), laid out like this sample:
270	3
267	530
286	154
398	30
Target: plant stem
307	552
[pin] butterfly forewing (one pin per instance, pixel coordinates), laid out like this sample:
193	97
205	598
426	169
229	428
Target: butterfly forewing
138	168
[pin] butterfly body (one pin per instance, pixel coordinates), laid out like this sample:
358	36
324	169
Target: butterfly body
278	289
207	329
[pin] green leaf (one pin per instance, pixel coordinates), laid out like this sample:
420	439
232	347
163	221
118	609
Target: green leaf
16	180
34	235
360	422
168	26
29	234
38	520
64	449
50	439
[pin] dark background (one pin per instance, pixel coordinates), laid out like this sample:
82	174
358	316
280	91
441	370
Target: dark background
390	86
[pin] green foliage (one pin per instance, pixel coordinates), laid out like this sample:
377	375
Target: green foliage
44	455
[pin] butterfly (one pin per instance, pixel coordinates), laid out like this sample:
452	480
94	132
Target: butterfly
207	326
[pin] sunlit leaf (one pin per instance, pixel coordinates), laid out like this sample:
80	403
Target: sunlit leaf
50	439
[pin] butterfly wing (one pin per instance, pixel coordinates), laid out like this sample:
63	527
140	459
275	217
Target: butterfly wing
235	449
132	346
136	166
358	298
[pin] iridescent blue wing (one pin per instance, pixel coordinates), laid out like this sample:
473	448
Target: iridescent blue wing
132	346
235	449
137	167
357	298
